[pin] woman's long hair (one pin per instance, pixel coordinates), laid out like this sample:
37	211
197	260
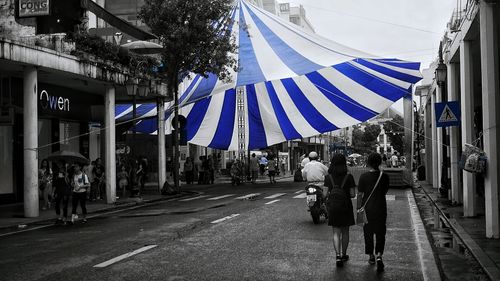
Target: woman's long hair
338	165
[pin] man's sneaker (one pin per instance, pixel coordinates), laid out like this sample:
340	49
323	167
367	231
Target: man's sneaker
371	260
339	261
345	258
84	220
380	264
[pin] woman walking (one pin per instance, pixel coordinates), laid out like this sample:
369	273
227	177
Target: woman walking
45	183
341	188
80	183
62	192
372	188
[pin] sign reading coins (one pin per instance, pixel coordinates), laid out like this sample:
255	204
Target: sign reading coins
33	8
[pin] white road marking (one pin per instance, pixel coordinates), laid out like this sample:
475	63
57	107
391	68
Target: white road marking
301	196
247	196
275	196
194	198
390	197
124	256
271	202
226	218
220	197
299	191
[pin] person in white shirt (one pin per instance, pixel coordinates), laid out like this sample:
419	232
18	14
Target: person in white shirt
314	172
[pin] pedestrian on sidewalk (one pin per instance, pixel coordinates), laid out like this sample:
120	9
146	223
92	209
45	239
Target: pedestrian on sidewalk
262	164
62	192
189	170
80	183
45	183
254	167
211	169
98	175
341	188
123	180
376	184
271	169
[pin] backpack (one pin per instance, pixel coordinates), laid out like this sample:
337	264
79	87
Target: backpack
337	199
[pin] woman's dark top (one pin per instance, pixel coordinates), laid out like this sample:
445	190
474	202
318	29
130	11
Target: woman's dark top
376	208
61	186
341	219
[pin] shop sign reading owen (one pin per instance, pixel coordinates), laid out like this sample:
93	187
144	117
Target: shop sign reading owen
33	8
54	103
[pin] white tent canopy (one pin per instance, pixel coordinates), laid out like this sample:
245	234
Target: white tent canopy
295	84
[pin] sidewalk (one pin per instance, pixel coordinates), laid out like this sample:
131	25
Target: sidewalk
472	232
12	215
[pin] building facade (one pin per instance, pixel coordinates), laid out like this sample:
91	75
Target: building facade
470	57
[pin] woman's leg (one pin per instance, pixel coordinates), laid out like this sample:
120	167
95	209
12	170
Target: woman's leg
336	240
83	200
380	242
337	232
345	239
58	205
368	234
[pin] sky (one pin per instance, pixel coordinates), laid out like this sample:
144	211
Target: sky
403	29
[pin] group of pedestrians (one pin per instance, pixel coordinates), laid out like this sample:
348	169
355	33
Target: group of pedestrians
65	182
372	188
203	169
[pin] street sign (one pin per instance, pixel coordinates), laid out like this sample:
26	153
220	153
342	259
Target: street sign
447	114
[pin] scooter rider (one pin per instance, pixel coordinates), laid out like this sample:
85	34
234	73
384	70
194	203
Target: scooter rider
314	172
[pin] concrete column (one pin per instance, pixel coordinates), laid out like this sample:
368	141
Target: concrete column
467	109
491	115
429	174
453	95
439	141
30	117
110	145
162	153
435	162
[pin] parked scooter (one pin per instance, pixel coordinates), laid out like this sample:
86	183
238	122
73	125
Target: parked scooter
315	202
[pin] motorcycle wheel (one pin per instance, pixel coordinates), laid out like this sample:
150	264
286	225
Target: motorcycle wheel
315	214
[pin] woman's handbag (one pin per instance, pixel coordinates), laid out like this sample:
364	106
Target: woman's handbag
361	213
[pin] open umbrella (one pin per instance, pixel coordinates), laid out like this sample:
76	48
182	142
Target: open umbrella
290	84
143	47
355	155
68	157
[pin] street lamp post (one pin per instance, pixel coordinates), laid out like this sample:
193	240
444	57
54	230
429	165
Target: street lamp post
440	76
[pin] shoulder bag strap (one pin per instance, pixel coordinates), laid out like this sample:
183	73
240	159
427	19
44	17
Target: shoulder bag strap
344	181
376	184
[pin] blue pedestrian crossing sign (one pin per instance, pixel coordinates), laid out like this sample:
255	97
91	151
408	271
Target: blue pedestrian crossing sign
447	114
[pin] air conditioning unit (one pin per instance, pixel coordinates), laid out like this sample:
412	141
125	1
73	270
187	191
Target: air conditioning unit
7	115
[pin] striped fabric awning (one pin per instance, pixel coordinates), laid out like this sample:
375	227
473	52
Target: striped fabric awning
295	84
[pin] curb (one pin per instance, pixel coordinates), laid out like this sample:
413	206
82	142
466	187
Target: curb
486	263
114	207
430	269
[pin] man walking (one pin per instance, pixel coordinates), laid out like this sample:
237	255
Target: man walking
254	167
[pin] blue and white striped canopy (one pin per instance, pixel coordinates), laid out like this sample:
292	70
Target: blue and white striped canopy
297	85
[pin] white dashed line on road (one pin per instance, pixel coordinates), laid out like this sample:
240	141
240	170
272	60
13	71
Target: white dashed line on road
299	191
220	197
271	202
301	196
247	196
275	196
124	256
194	198
225	218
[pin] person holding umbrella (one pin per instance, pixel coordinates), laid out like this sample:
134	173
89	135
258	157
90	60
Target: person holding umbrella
62	191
